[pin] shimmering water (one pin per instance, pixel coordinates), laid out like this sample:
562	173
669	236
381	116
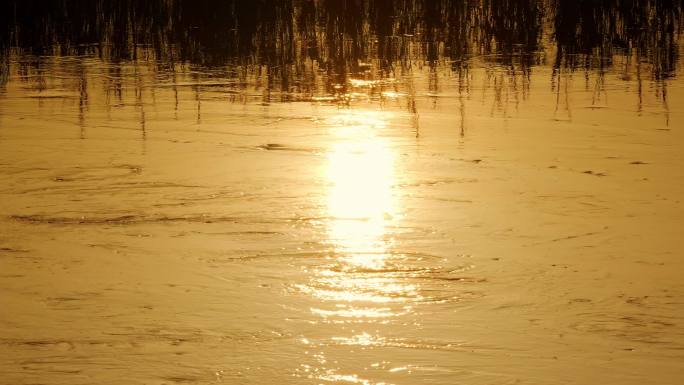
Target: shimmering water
341	192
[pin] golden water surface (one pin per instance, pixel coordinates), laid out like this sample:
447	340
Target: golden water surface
341	192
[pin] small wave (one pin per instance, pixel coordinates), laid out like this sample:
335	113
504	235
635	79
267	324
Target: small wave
284	147
120	220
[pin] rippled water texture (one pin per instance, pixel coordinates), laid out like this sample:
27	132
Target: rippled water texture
341	192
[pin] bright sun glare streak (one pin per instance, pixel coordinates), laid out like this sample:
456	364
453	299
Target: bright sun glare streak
361	206
361	200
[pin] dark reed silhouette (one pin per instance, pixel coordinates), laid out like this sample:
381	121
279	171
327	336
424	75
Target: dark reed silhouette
292	40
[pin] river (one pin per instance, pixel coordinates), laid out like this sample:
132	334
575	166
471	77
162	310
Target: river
341	192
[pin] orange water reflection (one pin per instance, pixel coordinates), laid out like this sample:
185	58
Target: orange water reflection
359	288
361	201
362	210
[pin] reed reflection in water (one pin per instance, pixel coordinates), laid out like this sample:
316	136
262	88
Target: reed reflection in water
301	49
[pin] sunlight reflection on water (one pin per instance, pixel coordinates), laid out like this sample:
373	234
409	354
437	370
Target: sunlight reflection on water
360	200
357	286
361	203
